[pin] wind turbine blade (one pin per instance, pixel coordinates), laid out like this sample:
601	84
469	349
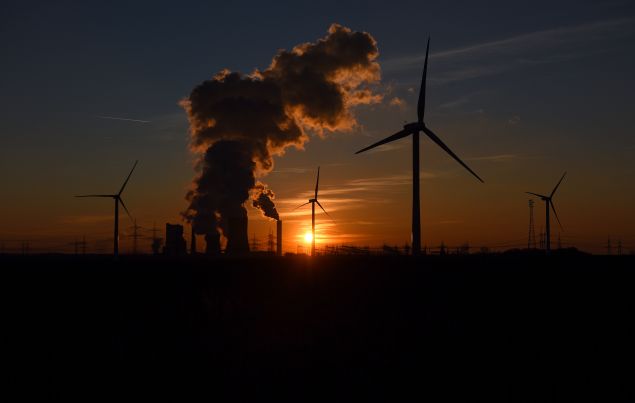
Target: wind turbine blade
96	196
536	194
317	182
301	205
421	103
396	136
128	178
440	143
324	210
555	213
124	207
556	188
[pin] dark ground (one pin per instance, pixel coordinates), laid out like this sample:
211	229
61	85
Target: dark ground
471	328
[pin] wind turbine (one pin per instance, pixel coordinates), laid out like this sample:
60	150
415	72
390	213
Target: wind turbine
118	199
549	202
313	201
414	129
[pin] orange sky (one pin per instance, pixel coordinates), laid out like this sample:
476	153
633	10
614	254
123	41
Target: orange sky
368	196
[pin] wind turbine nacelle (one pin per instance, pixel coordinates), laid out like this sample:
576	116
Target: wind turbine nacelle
414	127
312	200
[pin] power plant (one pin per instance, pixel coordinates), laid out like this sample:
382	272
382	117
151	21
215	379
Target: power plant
174	242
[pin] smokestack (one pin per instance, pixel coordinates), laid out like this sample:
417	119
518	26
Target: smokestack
212	243
193	242
237	241
279	236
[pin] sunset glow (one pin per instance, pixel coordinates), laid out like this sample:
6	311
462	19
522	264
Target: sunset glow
308	237
501	99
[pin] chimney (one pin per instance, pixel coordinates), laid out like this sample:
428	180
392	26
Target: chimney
279	238
212	240
193	243
237	241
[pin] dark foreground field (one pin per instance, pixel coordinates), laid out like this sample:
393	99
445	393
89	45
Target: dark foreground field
498	328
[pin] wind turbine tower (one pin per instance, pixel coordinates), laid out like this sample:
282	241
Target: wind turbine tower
549	203
118	200
413	129
313	201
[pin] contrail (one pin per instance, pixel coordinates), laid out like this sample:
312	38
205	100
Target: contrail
125	119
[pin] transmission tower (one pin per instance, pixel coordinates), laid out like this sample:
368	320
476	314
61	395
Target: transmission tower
608	245
135	236
156	242
531	239
254	243
619	247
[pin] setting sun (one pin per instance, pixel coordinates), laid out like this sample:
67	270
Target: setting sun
308	237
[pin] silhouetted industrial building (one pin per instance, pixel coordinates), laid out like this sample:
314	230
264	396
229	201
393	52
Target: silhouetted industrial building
174	242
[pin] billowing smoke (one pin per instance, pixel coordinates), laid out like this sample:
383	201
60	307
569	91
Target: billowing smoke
263	200
239	122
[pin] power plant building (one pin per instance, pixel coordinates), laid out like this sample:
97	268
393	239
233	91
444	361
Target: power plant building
175	244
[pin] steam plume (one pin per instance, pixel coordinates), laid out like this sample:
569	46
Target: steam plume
263	200
239	122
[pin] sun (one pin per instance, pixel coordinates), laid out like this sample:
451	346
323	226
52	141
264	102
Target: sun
308	237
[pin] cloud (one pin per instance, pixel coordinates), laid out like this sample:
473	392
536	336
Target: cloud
539	47
337	198
292	170
386	147
85	219
399	102
450	222
303	198
378	182
455	103
362	222
496	158
300	170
